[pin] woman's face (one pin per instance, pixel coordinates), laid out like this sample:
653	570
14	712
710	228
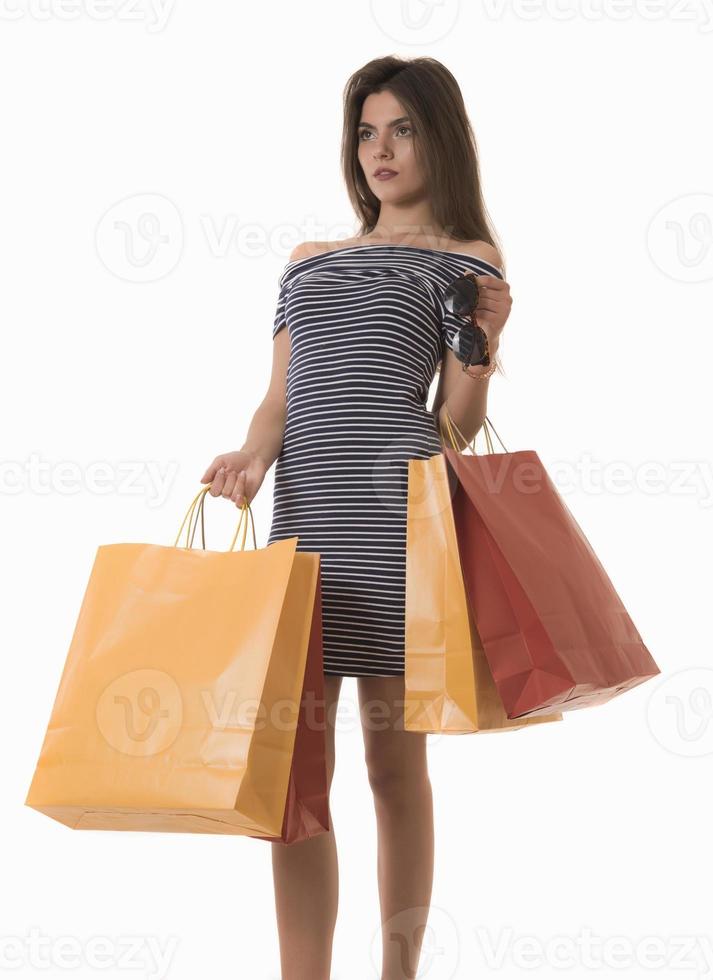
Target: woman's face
386	139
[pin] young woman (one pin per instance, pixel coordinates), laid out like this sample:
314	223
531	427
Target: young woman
367	330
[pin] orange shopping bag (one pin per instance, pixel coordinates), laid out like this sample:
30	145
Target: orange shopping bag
183	704
448	685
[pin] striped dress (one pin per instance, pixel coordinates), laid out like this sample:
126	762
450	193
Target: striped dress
367	328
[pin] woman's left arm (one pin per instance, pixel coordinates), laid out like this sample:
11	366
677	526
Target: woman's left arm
464	397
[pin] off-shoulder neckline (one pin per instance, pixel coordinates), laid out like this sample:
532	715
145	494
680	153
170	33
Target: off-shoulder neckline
411	248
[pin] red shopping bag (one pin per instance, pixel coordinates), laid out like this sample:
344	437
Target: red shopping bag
306	802
555	632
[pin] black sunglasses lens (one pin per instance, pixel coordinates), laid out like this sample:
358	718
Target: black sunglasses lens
469	344
463	343
461	296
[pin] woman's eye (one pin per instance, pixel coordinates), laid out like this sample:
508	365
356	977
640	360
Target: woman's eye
366	132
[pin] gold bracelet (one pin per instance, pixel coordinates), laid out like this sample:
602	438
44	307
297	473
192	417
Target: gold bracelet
485	375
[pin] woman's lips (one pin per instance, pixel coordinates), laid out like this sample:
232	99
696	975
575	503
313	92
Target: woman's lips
386	175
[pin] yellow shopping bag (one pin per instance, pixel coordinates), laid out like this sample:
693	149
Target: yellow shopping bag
182	702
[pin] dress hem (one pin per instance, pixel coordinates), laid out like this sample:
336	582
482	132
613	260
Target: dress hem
339	673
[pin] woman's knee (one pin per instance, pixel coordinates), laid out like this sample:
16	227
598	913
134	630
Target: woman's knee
396	759
396	769
394	784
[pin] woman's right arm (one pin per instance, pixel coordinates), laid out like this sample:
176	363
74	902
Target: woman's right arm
239	474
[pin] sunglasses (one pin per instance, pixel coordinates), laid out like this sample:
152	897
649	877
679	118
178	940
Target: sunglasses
470	344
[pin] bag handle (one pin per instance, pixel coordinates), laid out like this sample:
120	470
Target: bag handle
487	425
201	509
200	499
197	507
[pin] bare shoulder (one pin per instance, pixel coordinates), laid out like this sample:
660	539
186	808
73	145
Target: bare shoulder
303	251
482	250
306	250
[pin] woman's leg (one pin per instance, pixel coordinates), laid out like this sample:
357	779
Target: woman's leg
398	775
306	882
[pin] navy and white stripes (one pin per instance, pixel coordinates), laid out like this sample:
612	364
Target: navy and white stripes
367	328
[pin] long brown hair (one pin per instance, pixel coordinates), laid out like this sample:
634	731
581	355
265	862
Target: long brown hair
444	144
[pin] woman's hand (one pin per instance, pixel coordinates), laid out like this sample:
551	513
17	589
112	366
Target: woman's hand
493	309
236	476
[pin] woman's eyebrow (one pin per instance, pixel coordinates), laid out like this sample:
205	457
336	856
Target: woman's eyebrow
393	122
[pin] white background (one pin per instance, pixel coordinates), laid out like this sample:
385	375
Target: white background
593	125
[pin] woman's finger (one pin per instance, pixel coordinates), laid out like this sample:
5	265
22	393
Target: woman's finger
211	471
216	486
492	282
239	490
230	480
490	304
492	330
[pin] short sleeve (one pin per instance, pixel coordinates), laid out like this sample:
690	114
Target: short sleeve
450	326
280	320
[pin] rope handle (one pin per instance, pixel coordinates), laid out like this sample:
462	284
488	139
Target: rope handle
196	508
487	426
201	508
